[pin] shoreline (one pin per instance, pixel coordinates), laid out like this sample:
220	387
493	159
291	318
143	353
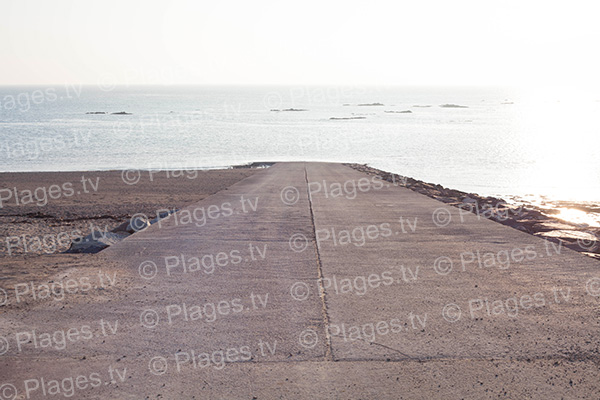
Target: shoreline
160	189
254	164
526	217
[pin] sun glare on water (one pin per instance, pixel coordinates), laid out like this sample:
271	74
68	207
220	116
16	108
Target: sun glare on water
579	217
558	133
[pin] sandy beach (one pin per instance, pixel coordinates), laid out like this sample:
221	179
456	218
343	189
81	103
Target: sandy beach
34	236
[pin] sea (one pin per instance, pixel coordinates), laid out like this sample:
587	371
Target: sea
540	143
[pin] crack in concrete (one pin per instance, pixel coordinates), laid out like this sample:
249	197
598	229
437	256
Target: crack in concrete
426	359
397	351
322	294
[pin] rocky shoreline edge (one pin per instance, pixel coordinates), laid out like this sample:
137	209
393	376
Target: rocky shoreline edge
524	217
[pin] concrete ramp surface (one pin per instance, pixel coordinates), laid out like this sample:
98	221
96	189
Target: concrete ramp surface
314	280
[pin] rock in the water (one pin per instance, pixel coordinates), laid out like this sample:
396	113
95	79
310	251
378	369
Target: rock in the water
452	106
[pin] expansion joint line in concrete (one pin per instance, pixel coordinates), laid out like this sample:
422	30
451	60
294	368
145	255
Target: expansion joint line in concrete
323	294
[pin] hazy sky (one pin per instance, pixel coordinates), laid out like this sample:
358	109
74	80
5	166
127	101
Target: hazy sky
303	42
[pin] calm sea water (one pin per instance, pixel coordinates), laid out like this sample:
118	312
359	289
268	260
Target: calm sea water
504	142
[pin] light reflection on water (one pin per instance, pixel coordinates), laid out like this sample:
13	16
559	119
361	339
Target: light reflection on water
560	134
578	217
506	143
580	213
